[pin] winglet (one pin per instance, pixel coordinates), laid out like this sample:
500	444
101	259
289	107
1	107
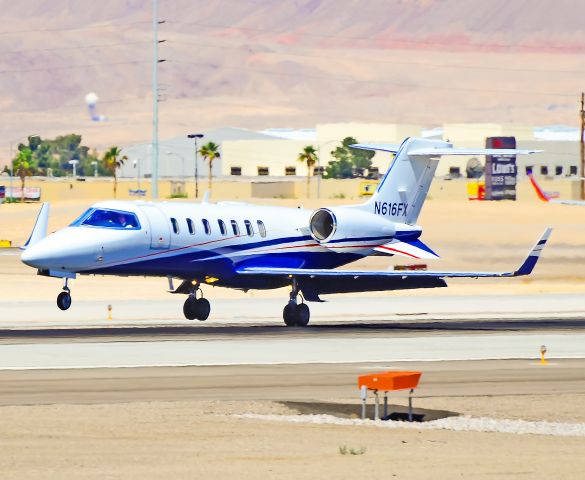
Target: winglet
40	229
532	257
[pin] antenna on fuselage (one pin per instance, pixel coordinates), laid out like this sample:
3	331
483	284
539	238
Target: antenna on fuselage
205	197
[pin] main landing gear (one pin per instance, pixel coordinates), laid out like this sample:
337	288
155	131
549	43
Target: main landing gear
296	314
64	298
196	308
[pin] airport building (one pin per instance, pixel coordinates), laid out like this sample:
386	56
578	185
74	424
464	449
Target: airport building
273	153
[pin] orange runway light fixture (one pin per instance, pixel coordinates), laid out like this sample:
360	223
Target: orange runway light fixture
387	381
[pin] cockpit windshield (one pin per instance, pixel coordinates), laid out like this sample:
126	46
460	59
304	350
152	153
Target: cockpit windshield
104	218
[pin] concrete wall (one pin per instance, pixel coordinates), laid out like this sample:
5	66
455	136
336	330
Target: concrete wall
330	190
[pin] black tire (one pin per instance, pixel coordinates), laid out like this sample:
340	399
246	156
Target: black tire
202	309
302	315
64	300
288	314
189	308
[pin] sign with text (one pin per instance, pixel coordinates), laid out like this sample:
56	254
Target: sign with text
500	170
30	193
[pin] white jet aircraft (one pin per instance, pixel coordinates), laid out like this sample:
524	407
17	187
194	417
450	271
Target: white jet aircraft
244	246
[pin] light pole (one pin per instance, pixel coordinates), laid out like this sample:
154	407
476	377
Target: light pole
182	163
74	163
136	165
195	136
330	142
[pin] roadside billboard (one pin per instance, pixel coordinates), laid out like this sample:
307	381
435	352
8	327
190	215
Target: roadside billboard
500	170
30	193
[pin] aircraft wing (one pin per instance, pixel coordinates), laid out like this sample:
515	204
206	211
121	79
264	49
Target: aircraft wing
313	282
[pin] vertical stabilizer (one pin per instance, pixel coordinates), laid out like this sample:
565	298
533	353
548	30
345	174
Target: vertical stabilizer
403	189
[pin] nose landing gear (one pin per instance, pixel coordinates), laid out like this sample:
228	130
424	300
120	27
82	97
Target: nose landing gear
295	314
196	308
64	298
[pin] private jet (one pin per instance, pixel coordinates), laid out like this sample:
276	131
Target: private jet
245	246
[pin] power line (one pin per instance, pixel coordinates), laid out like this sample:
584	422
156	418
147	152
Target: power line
79	104
506	68
80	47
373	39
71	29
375	82
70	67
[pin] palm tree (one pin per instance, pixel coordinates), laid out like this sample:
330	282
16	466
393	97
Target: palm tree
112	161
210	152
23	167
308	156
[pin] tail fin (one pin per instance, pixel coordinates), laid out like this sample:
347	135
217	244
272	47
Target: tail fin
403	189
539	191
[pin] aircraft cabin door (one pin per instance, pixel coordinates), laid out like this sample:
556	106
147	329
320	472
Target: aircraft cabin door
160	233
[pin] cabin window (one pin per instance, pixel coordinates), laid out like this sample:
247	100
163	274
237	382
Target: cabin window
559	170
222	228
235	228
235	170
573	169
262	171
190	226
544	170
249	229
261	228
290	170
206	226
175	225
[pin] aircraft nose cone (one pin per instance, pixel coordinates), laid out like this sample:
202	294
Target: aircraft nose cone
34	256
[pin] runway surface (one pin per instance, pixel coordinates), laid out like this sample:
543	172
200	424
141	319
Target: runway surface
287	350
265	309
483	379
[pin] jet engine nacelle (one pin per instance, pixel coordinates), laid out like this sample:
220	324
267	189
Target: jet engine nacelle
329	226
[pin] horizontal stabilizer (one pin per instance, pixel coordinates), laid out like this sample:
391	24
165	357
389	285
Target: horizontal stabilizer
379	147
469	151
415	249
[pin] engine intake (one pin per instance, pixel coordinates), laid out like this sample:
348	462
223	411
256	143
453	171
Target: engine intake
323	224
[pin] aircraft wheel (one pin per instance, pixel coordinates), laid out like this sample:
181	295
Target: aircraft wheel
302	314
189	308
64	300
202	308
288	314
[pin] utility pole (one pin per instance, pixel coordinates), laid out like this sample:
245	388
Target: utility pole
195	136
154	160
582	145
